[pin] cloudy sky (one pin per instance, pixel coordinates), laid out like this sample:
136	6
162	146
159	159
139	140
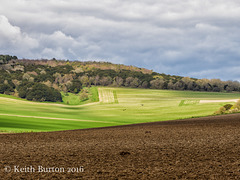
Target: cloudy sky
196	38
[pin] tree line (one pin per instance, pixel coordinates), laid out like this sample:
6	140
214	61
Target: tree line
43	81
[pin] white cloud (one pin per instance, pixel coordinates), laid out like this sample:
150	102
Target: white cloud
12	39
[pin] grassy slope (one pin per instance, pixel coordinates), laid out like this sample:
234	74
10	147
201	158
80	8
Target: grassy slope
134	106
74	99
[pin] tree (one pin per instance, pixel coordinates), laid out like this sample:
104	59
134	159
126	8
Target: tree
66	78
157	84
145	84
187	83
91	80
128	81
204	84
26	76
4	59
170	85
41	92
118	81
217	85
23	88
97	80
106	81
75	86
135	83
6	88
178	85
48	83
84	80
232	86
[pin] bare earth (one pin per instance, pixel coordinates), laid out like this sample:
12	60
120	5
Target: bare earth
201	148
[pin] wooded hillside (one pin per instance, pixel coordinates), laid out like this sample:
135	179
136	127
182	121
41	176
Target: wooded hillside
43	80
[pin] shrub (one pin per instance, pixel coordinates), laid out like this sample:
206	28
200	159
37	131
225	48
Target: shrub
83	96
236	106
222	110
228	106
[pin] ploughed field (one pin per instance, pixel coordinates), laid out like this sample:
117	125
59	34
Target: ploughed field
199	148
116	106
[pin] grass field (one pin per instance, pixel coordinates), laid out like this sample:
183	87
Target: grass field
116	106
74	99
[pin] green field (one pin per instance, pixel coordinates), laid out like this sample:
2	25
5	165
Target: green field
74	99
116	106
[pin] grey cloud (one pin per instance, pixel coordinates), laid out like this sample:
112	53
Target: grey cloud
189	38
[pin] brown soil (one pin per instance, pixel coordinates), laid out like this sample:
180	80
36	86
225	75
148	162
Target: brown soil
201	148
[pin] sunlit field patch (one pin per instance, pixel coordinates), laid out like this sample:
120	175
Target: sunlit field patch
116	106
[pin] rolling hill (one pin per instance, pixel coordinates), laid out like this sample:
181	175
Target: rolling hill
53	95
115	106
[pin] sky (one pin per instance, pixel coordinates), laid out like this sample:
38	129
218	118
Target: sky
195	38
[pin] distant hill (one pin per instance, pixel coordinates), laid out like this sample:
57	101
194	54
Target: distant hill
43	80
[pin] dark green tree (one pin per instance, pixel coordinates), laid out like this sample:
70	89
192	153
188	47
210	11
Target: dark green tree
75	87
